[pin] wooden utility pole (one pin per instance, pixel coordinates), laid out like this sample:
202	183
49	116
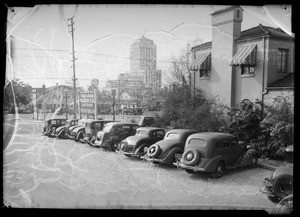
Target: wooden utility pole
73	60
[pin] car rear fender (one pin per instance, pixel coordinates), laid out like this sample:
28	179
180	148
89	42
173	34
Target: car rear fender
212	163
170	155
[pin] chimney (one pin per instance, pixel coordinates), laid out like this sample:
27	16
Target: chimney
226	27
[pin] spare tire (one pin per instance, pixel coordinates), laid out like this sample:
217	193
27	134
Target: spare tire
283	186
190	157
154	150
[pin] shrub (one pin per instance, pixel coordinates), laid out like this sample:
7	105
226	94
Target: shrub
244	122
277	129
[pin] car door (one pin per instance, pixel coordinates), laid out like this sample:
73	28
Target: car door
226	150
158	135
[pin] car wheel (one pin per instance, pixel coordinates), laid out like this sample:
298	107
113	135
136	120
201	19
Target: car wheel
285	206
190	157
283	186
190	171
220	170
153	150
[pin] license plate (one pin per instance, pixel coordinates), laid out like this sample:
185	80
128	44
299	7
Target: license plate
145	149
178	156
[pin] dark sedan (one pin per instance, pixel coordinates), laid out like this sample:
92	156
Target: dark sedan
173	143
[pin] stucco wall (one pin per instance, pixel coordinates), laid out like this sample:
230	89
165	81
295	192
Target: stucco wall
274	44
221	71
249	86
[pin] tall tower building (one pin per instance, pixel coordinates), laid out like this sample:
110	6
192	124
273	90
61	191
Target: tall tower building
143	59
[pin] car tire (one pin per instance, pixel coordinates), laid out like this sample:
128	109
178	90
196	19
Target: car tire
154	150
193	160
190	171
278	189
220	170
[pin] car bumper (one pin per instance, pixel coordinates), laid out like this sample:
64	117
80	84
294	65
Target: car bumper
152	159
131	154
193	168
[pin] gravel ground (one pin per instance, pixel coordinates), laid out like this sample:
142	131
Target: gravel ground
44	172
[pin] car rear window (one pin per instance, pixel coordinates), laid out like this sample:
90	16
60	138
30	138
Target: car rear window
142	132
172	136
198	142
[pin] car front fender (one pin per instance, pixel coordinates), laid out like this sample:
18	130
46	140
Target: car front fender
140	147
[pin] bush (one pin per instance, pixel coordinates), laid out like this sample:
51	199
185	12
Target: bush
277	129
181	110
244	122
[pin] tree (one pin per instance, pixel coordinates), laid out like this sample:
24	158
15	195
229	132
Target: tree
18	90
180	68
94	85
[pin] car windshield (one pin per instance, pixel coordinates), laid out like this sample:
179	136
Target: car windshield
53	122
198	142
107	128
172	136
63	122
142	133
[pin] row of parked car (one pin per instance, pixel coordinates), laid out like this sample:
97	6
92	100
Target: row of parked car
187	149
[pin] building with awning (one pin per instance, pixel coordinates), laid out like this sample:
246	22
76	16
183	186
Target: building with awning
245	56
238	65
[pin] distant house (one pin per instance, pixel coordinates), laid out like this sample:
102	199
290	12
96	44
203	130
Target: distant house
238	65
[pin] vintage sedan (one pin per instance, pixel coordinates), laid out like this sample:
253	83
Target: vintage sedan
77	131
165	150
60	132
92	127
50	125
213	152
136	146
280	184
113	133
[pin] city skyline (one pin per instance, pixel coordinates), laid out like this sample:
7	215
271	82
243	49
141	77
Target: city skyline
41	44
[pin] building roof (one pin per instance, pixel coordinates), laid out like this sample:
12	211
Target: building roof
204	45
285	82
261	30
225	9
254	32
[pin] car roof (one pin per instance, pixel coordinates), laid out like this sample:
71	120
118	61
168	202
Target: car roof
124	123
181	130
212	135
150	128
57	119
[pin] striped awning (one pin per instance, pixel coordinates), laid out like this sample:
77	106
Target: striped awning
202	61
245	56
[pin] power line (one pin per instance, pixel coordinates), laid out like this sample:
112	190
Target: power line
110	55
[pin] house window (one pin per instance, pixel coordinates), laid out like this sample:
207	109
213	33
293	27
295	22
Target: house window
282	59
204	73
247	70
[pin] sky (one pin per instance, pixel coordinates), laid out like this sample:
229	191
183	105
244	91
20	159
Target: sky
39	42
